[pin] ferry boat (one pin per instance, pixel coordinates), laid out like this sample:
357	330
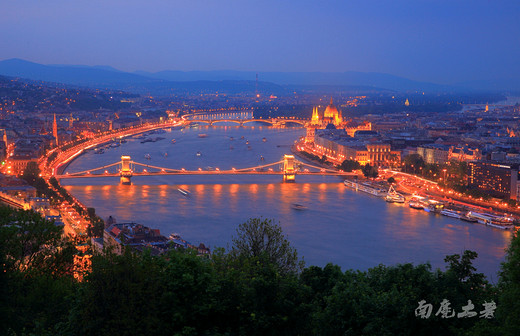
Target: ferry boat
298	207
393	196
231	138
247	142
173	141
499	222
365	187
147	156
264	139
203	135
451	213
198	154
261	158
242	137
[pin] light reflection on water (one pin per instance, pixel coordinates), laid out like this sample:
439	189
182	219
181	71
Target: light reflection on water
342	226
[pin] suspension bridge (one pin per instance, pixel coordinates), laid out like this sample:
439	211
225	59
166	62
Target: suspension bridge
125	169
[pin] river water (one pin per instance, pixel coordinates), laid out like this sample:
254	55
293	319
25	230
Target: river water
342	226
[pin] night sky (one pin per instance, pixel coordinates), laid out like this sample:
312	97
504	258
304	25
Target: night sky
443	41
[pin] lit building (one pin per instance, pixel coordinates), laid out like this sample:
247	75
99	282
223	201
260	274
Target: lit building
336	144
434	154
498	179
331	115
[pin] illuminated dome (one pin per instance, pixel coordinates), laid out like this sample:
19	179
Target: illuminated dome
331	111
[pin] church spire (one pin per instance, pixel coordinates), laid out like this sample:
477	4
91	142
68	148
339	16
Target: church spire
55	130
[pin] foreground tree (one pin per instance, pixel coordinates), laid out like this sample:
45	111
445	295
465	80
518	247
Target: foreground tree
508	307
36	267
263	239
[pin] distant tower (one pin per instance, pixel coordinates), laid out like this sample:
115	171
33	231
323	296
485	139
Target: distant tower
256	86
71	121
315	120
487	107
55	130
406	103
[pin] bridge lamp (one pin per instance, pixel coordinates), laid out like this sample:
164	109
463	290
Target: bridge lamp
162	170
106	171
270	169
145	171
217	169
200	169
233	169
88	172
182	169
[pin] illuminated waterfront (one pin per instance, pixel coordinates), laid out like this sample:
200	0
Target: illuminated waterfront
351	229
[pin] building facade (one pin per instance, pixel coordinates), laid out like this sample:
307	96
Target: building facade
498	179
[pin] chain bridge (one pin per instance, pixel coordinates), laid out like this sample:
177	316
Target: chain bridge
125	169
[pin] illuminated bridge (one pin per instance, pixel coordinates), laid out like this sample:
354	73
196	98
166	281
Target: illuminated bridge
240	118
125	169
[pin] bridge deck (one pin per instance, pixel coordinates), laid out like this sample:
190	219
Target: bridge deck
205	173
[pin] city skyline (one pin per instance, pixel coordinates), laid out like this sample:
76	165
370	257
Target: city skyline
436	41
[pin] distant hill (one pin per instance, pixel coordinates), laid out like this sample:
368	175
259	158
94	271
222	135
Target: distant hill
351	78
105	77
228	81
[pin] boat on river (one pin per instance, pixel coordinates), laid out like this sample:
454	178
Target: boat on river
499	222
416	205
393	196
198	153
298	207
365	187
451	213
184	192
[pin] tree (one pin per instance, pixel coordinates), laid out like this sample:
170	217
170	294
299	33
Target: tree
508	308
349	165
370	171
413	163
36	266
391	180
263	240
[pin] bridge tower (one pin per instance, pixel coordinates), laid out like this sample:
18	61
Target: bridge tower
289	172
126	170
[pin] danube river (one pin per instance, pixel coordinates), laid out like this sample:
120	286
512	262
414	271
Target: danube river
342	226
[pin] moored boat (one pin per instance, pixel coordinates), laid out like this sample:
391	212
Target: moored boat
451	213
365	187
393	196
416	205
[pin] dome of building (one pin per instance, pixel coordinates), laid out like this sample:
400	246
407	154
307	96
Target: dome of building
331	111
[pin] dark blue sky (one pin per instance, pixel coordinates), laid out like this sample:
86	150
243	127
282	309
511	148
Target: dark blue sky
442	41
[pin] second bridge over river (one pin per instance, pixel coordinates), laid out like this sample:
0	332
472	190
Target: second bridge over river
288	167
